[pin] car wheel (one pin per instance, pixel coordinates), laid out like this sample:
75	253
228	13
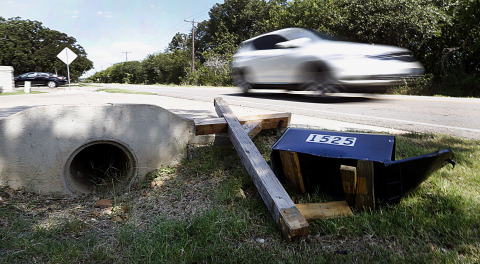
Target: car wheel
51	84
320	82
240	82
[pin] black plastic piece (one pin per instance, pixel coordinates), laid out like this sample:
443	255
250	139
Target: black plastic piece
321	153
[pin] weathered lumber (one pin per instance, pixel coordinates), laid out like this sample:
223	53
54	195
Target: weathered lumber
291	171
205	126
365	196
349	182
252	127
290	221
313	211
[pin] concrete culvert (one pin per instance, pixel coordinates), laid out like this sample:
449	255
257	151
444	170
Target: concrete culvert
99	166
73	150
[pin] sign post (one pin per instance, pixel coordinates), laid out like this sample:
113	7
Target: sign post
67	56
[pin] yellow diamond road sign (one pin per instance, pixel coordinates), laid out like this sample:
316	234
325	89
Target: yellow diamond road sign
67	55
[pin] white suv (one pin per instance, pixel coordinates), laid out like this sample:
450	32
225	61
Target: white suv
301	59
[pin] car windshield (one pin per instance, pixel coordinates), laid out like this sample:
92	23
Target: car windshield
28	74
289	34
297	33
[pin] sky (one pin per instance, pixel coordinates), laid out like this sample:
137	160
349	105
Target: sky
107	29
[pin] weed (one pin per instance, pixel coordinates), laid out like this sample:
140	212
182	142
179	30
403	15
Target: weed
207	210
19	92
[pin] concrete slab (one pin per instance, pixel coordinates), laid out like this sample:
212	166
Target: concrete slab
6	79
71	150
184	107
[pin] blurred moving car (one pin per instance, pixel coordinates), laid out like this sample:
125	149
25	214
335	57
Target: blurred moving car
40	79
301	59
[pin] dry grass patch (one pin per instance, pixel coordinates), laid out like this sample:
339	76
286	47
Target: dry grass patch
207	210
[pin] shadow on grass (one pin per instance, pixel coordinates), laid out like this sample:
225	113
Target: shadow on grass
208	210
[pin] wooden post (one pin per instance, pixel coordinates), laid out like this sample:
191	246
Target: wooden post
252	127
205	126
313	211
365	197
290	221
291	170
349	181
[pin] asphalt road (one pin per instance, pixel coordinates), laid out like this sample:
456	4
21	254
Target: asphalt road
366	112
454	116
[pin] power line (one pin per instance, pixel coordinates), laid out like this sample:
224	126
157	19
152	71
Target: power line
160	38
200	14
177	27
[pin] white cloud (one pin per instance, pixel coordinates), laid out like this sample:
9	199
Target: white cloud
105	14
16	4
74	14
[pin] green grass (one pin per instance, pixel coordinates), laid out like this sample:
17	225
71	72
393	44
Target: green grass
86	84
458	84
19	92
207	210
124	91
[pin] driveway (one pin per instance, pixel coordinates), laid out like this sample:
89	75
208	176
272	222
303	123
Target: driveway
181	105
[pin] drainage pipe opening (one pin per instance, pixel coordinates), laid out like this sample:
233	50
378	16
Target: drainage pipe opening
99	166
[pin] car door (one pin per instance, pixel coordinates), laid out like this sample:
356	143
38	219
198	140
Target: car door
40	79
269	65
30	76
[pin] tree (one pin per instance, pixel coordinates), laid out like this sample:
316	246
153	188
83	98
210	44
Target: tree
180	42
29	46
231	23
443	34
462	36
457	55
312	14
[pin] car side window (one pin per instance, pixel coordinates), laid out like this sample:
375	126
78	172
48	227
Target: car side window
245	46
268	42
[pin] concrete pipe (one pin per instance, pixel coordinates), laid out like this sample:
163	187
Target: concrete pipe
78	149
99	165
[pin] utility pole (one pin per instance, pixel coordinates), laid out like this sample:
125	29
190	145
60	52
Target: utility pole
126	53
193	43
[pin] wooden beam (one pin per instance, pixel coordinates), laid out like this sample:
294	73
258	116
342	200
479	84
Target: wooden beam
205	126
313	211
349	181
365	196
252	127
291	223
291	170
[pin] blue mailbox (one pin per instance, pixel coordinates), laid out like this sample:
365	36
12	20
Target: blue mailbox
321	153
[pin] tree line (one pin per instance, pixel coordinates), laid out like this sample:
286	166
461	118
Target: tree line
28	46
443	34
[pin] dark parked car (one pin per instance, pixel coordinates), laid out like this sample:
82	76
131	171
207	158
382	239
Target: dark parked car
40	79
